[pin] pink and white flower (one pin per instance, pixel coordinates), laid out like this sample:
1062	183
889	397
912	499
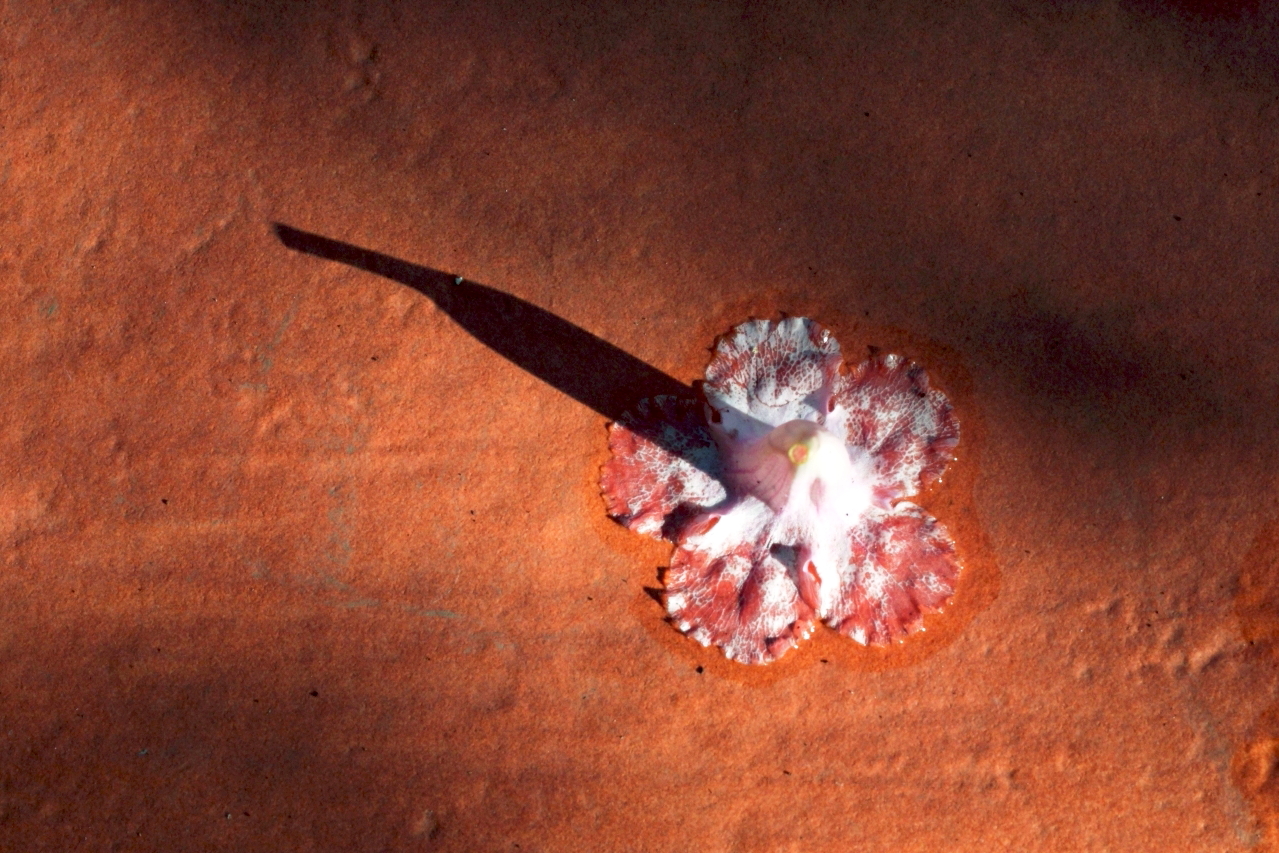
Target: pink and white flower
784	493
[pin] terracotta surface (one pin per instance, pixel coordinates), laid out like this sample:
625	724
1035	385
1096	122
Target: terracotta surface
293	561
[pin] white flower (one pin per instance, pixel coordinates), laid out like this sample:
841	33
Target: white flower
785	501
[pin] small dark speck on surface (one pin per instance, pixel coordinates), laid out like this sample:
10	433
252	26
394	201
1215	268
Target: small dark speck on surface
315	693
700	670
1176	217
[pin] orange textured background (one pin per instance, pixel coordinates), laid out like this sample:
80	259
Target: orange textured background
292	562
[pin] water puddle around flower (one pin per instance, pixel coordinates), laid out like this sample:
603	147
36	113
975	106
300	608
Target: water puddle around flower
951	501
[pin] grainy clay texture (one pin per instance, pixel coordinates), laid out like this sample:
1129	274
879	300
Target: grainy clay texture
292	560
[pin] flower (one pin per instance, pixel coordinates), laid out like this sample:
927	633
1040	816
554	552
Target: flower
784	493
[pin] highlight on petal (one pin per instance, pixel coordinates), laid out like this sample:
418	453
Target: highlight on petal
901	565
887	409
646	486
726	587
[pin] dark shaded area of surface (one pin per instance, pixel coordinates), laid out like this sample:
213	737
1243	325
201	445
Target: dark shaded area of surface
1210	9
150	741
1238	37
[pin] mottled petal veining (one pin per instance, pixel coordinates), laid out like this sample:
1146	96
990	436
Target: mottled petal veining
646	485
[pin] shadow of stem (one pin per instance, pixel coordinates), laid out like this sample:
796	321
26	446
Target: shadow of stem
570	359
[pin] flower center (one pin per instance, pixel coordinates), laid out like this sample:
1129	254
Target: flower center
798	453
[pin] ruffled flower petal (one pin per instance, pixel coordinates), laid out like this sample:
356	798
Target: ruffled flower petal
664	468
901	565
888	410
727	588
771	373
